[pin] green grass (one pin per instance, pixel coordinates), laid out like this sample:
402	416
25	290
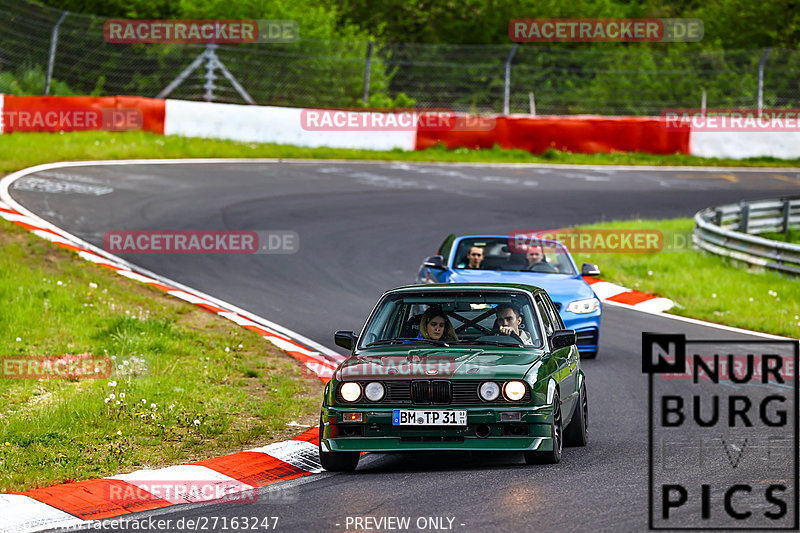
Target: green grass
792	236
24	150
186	384
703	285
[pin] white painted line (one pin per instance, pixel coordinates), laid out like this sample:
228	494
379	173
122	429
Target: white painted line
19	513
240	320
94	258
184	483
289	346
137	277
299	453
191	298
700	322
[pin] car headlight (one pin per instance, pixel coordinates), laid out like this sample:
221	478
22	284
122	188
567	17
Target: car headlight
489	391
514	390
374	391
584	306
350	391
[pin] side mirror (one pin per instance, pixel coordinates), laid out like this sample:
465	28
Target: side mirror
434	261
563	338
345	339
588	269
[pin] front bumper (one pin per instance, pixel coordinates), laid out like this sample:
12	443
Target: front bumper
587	328
377	434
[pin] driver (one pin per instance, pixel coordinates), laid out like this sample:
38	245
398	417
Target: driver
537	262
509	319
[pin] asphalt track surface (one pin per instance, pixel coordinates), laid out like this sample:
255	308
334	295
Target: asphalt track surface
364	228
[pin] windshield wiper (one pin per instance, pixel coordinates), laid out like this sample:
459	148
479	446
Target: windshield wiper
406	340
491	343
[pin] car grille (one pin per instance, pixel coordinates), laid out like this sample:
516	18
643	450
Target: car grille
587	336
435	391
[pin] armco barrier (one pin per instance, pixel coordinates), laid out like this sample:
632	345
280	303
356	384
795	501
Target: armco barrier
582	134
726	230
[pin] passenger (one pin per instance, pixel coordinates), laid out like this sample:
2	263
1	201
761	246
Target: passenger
436	326
537	262
509	319
475	257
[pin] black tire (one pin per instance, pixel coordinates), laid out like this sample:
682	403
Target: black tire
336	461
577	432
550	457
588	355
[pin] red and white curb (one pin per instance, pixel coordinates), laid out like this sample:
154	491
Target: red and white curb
75	504
611	292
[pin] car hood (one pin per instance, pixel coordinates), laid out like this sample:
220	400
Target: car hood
435	362
561	288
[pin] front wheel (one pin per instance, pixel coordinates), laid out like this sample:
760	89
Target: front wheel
577	432
553	456
336	461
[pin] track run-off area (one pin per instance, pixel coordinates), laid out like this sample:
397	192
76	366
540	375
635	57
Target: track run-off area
364	228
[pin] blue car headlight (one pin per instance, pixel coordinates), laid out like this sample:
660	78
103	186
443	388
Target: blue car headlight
581	307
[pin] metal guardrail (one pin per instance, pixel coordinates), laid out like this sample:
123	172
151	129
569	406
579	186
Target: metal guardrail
728	230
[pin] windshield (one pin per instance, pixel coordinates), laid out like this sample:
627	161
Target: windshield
481	318
504	253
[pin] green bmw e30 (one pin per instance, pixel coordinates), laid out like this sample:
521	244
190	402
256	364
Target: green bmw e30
456	367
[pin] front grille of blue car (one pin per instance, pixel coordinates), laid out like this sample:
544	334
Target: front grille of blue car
587	336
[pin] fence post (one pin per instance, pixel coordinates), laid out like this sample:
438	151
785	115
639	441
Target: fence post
210	76
367	72
787	207
718	217
744	217
507	94
703	104
52	57
761	80
532	104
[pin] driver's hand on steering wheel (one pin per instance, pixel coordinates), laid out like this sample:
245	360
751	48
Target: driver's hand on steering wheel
506	330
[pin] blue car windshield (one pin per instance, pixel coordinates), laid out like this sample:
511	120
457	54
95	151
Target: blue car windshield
514	253
495	318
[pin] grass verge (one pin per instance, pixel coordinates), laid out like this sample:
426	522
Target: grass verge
187	384
24	150
703	285
792	236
